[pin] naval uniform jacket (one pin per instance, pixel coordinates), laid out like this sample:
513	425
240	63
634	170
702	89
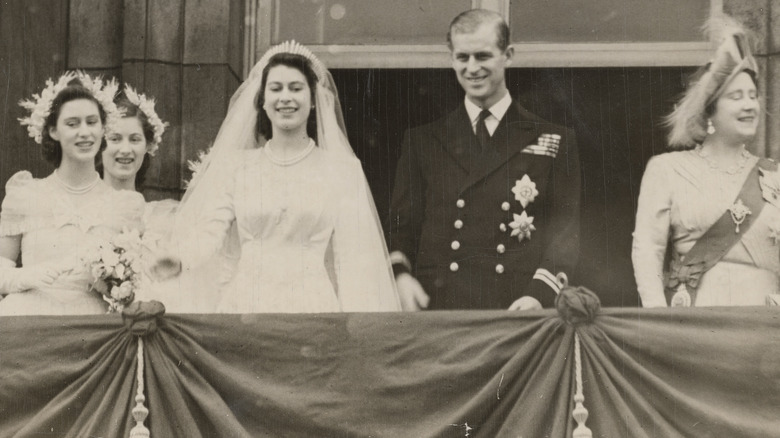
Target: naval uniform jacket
453	210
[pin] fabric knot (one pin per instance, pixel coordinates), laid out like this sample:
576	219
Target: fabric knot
688	275
577	305
140	317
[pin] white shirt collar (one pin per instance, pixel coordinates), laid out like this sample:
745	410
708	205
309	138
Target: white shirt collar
497	110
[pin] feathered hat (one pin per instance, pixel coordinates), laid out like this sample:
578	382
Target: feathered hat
688	121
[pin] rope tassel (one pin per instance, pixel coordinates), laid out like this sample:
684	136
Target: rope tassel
140	412
579	413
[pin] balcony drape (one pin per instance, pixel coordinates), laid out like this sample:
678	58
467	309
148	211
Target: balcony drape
706	372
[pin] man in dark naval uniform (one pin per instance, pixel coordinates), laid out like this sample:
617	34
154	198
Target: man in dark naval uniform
485	208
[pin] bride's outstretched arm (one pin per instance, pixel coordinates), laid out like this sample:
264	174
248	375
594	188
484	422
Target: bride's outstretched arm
197	235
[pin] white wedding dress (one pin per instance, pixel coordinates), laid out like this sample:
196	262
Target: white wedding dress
288	216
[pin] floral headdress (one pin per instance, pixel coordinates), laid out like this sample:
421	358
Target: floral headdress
688	121
40	104
146	105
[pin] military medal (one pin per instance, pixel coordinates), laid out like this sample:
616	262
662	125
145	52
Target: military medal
525	191
522	225
738	213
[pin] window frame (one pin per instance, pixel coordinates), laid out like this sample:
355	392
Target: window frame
259	31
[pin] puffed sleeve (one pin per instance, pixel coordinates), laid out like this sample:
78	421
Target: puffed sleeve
363	275
651	233
18	214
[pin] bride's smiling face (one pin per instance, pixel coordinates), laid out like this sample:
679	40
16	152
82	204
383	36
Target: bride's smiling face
287	99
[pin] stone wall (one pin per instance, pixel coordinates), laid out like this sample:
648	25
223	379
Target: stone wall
186	54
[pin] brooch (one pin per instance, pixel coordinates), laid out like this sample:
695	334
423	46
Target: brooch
738	213
525	191
522	225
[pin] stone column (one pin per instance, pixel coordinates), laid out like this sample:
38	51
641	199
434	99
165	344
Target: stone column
772	86
95	36
33	48
188	55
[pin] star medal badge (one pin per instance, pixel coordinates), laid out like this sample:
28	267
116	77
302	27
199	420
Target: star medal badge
522	225
525	191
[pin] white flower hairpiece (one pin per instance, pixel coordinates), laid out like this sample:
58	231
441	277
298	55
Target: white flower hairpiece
294	48
147	106
197	165
40	104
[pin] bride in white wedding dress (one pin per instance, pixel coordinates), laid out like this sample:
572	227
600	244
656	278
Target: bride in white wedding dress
282	183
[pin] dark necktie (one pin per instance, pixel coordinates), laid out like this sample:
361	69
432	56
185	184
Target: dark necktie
483	135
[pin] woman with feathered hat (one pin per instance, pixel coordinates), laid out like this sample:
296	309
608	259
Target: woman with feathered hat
713	202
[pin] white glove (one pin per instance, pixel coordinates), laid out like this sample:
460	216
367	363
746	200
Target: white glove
165	266
15	280
526	303
411	292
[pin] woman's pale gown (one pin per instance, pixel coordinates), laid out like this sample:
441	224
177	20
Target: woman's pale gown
288	218
57	228
681	196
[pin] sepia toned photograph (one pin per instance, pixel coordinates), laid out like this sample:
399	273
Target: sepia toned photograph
363	218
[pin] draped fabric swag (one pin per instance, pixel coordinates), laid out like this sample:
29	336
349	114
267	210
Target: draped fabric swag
700	372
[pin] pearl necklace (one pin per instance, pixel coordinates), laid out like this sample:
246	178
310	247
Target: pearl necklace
76	190
288	161
733	170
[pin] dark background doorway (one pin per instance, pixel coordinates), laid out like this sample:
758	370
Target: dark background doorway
616	113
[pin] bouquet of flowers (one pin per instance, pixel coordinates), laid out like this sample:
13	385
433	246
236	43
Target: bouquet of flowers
116	269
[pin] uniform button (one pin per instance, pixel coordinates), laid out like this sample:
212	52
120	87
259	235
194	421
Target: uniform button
458	224
502	227
500	248
505	206
499	269
460	203
454	267
455	244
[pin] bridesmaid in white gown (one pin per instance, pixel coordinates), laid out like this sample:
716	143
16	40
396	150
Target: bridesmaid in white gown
51	222
297	199
131	144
